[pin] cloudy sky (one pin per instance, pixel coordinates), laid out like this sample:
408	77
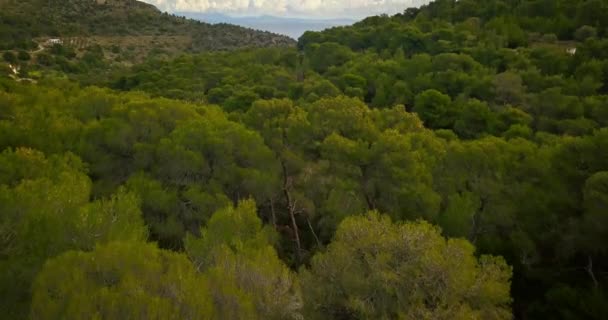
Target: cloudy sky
299	8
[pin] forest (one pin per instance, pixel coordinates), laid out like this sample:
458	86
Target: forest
448	162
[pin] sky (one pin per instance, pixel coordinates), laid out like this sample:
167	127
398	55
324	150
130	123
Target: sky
289	8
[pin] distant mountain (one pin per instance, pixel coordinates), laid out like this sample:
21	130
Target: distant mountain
23	20
292	27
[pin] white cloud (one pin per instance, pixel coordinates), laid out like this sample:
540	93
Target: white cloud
315	8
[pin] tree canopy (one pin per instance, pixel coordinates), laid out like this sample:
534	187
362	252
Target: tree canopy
446	162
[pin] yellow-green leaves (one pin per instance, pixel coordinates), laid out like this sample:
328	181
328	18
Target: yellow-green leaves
116	219
376	269
45	212
121	280
247	278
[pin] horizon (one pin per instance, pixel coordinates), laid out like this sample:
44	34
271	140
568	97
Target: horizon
293	27
269	15
291	9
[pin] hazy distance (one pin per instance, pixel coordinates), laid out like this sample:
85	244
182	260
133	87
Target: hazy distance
292	27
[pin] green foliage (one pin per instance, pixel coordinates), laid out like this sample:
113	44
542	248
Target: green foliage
224	156
9	57
585	32
21	21
327	54
23	56
593	224
46	211
309	166
247	278
127	280
409	269
513	159
475	119
432	106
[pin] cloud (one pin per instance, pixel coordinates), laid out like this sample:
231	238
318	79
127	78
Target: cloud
318	8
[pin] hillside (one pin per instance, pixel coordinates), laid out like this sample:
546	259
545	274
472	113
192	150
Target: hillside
447	162
516	93
447	25
23	21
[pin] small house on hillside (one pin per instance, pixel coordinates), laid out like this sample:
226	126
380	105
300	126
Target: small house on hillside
51	42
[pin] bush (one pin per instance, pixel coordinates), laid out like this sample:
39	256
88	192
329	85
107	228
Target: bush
549	38
585	32
9	57
24	55
4	70
45	59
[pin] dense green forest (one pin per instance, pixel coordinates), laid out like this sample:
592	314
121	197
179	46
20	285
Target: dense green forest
449	162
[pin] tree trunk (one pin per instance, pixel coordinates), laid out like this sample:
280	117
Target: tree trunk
589	270
272	212
292	212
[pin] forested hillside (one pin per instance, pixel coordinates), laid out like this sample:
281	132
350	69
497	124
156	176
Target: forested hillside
449	162
22	21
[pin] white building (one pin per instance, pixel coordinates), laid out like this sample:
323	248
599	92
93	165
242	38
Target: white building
54	41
